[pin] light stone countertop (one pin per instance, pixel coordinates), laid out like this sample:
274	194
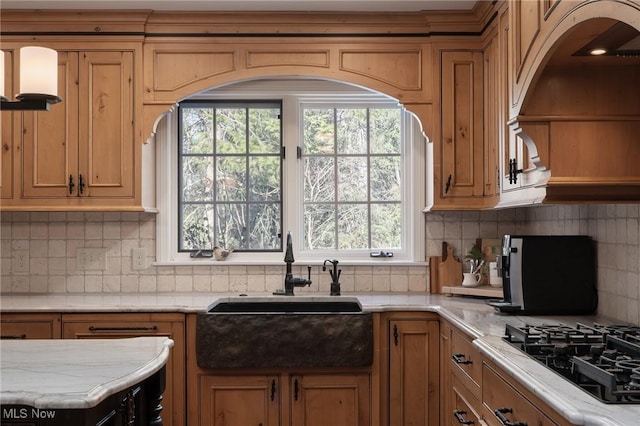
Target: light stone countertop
473	316
76	374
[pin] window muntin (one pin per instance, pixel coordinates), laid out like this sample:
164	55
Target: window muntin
230	179
352	177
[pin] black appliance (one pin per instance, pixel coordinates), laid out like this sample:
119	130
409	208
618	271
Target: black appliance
548	275
603	360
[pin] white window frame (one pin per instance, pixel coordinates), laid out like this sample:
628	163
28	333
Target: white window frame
293	93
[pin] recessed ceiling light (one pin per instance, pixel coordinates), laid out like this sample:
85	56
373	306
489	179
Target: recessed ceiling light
597	51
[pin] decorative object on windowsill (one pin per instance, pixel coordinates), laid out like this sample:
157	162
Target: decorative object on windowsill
221	254
38	80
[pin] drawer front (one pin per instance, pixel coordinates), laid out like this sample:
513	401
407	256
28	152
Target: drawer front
467	361
466	408
500	399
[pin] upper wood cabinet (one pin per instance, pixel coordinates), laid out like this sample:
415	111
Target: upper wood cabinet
81	154
459	163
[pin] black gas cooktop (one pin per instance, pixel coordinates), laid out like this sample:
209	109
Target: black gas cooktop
603	360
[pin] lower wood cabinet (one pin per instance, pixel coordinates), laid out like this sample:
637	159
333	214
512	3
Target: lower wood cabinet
115	325
504	405
284	399
413	379
30	326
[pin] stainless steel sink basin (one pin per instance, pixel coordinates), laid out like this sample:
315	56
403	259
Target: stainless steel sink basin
284	332
286	305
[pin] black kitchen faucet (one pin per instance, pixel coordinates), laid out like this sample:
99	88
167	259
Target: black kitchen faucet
289	280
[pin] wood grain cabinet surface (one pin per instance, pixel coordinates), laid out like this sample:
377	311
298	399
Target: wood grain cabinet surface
30	326
81	154
116	326
413	380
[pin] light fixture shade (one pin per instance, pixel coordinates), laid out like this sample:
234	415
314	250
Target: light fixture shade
38	72
2	94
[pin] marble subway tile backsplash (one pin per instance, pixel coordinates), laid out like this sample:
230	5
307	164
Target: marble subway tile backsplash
39	254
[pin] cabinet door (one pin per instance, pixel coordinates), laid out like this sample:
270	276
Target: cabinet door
106	146
116	326
413	372
50	138
330	399
30	326
462	119
8	129
239	400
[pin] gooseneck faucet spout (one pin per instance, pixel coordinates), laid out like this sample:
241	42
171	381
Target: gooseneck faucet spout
289	280
335	276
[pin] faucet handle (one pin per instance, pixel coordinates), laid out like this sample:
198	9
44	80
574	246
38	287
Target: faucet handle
309	272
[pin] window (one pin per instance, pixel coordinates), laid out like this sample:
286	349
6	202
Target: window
339	167
230	185
352	174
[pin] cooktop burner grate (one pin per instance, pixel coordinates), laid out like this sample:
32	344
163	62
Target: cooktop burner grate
603	360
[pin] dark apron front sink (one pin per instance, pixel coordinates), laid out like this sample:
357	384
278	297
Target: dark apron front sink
258	333
287	305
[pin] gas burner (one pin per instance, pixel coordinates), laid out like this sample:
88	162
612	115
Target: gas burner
603	360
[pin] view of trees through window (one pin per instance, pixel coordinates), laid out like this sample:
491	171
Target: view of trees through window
230	187
352	178
231	169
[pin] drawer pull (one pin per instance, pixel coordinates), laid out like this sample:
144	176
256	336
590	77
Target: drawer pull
13	337
395	335
500	412
98	329
273	390
458	415
458	358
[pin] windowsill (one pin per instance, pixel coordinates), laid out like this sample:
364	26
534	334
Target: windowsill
377	262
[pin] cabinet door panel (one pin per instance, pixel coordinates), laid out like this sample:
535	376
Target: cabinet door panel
239	400
462	132
337	400
49	138
8	129
106	148
413	373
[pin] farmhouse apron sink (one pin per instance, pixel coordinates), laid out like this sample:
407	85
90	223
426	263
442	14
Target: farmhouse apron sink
284	332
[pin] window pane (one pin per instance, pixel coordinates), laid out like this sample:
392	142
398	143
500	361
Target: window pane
386	178
231	130
385	225
353	228
264	178
265	226
197	131
231	179
319	227
318	131
352	179
231	226
385	131
319	179
352	130
264	130
197	178
196	226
